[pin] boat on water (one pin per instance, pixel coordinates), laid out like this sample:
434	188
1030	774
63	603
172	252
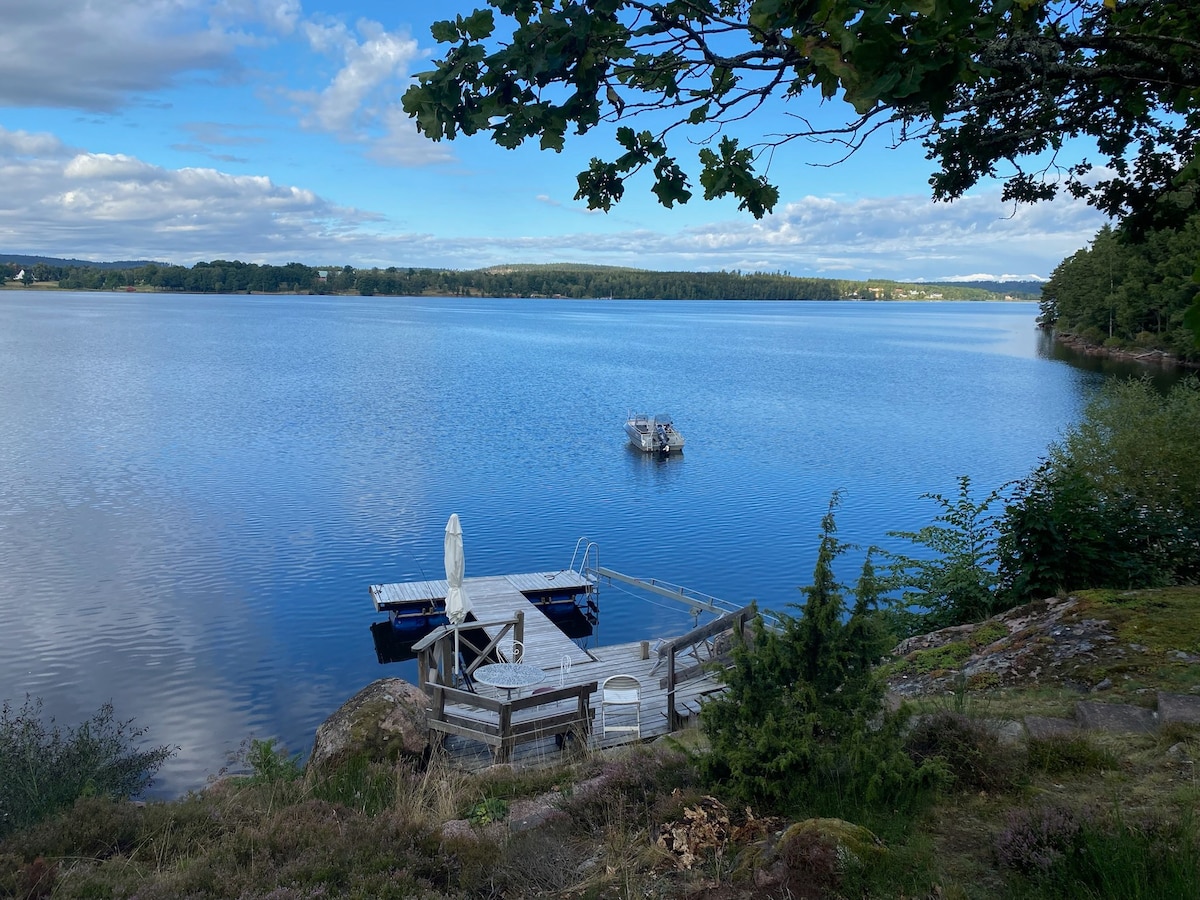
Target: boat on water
653	434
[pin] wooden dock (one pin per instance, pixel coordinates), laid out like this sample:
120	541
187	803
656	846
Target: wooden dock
618	659
682	665
496	597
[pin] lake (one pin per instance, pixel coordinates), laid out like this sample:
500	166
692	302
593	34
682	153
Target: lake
197	491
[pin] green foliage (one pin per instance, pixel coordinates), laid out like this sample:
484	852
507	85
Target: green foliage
487	811
271	763
956	582
1127	294
47	767
518	280
1087	857
801	725
1117	504
1069	754
983	84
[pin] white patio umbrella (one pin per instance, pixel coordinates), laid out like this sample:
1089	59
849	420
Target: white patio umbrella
457	602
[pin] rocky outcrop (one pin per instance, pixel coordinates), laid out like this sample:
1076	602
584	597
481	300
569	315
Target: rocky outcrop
1069	642
1046	641
386	720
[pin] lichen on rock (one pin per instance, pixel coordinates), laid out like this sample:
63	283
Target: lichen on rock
385	721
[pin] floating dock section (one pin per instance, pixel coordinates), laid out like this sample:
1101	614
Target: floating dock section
538	594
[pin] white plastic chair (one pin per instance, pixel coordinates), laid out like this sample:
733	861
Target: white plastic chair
621	695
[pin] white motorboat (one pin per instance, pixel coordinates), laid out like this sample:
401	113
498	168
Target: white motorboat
653	434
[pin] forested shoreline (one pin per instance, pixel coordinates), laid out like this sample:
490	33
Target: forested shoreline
1128	296
562	280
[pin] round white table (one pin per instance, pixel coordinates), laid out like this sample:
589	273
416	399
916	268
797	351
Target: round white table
510	676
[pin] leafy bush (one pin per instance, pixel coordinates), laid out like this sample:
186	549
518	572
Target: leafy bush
801	726
47	767
271	763
955	582
1116	504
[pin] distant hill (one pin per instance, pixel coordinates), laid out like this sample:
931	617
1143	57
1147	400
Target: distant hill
998	287
567	280
22	259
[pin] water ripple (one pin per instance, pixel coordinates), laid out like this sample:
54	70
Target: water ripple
198	491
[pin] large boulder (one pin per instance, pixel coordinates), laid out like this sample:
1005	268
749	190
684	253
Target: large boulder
384	721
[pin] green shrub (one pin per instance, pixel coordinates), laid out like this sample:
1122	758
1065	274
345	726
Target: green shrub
270	763
1116	504
801	727
954	581
48	767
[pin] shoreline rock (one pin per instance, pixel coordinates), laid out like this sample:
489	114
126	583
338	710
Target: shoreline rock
1159	358
383	721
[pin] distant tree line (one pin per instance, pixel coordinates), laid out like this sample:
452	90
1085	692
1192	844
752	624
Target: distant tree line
569	281
1123	294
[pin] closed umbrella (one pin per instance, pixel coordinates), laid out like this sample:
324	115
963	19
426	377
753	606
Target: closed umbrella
457	602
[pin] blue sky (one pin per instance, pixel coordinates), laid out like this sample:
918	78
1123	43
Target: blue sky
271	131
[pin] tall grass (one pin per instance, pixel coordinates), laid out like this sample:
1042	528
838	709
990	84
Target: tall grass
1110	858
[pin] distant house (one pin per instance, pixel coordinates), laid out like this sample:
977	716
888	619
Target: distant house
322	275
19	275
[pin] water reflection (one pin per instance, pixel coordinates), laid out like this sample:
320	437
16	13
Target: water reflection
1103	367
198	491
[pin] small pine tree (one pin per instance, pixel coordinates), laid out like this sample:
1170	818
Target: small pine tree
801	727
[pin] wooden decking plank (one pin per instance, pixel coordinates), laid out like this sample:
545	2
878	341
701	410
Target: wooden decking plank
493	597
565	579
399	594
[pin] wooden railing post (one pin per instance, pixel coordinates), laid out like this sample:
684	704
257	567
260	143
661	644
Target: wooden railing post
674	721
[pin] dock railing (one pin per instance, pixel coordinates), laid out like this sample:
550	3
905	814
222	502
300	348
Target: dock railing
565	713
436	651
707	649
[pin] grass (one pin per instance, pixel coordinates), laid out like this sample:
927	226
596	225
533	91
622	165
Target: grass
377	830
1091	815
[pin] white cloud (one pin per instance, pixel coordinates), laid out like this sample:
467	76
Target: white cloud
402	145
112	206
361	101
280	16
68	201
95	56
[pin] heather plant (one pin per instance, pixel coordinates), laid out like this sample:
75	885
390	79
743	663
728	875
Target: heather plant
1058	854
968	749
46	767
801	727
1035	840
